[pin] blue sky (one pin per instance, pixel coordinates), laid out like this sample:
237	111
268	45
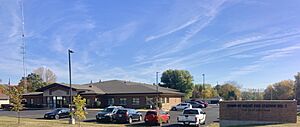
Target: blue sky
252	42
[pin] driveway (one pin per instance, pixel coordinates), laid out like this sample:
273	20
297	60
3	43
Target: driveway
212	113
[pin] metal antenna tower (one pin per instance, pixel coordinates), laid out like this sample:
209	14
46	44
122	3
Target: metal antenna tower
23	47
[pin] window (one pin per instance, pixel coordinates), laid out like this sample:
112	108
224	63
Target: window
168	100
162	100
190	112
149	101
50	92
123	101
88	101
135	101
31	101
111	101
48	100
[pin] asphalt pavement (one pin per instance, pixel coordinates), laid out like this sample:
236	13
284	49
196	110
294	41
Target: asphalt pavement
212	115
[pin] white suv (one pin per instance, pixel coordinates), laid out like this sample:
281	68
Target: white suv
181	106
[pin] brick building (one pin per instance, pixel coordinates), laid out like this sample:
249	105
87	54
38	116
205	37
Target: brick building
114	92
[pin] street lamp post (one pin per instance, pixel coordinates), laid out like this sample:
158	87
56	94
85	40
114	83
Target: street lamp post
203	75
72	120
203	85
157	96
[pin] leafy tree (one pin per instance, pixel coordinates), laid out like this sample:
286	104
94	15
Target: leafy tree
229	91
80	113
208	92
197	91
217	88
283	90
252	94
32	82
181	80
15	95
269	92
46	74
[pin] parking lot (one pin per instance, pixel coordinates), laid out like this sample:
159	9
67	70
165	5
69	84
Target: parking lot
212	115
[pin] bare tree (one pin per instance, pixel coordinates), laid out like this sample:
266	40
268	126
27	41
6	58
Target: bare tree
46	74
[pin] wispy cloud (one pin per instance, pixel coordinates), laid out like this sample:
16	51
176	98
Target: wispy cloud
270	55
210	13
109	39
180	27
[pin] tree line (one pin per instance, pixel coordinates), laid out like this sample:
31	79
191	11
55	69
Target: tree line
182	81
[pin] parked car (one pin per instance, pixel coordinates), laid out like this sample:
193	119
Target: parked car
107	114
152	118
196	104
194	116
181	106
58	113
7	106
127	116
201	102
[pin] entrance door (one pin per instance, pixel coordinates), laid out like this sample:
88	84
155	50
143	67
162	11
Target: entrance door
59	102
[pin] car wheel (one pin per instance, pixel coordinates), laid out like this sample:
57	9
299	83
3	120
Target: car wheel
130	120
202	123
56	117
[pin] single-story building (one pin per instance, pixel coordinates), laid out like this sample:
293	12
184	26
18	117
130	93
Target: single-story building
4	99
102	94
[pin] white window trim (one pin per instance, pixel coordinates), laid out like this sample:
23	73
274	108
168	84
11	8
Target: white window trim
122	101
138	102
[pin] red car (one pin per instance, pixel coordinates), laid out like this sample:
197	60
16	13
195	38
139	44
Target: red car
152	118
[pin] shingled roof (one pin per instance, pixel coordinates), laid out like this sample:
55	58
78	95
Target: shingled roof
3	97
129	87
117	87
81	88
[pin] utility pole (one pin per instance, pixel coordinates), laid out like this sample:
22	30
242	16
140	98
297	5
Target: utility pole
72	120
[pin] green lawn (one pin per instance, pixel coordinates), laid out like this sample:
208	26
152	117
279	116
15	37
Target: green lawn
26	122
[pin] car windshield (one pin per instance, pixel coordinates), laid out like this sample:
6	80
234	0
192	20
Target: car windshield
151	113
183	104
190	112
108	110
